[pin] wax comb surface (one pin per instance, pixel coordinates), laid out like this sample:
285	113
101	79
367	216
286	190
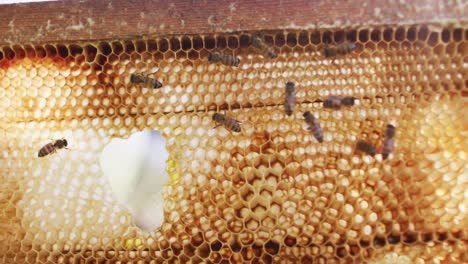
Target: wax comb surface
271	193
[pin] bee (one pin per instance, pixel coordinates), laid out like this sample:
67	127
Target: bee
226	59
145	80
52	147
365	147
314	126
258	41
389	142
229	123
290	100
335	102
339	49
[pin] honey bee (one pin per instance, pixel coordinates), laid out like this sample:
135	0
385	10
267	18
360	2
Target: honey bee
258	41
226	59
290	100
145	80
339	49
335	102
365	147
52	147
314	126
229	123
389	142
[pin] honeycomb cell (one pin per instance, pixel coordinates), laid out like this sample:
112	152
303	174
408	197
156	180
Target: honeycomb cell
8	53
63	51
245	40
90	52
163	45
75	50
140	46
364	36
175	44
423	33
209	42
291	40
105	48
117	47
375	35
233	42
129	47
433	39
19	51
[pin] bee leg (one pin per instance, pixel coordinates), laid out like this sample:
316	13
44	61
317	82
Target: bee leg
216	126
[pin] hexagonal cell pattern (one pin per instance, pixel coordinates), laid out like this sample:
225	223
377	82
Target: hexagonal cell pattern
271	193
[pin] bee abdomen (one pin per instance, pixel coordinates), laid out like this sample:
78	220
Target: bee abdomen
41	153
389	142
290	100
340	49
46	150
388	147
230	60
314	126
343	49
156	84
237	128
332	102
233	125
318	132
336	102
390	132
226	59
288	108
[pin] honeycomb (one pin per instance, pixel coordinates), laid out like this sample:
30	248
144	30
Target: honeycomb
270	194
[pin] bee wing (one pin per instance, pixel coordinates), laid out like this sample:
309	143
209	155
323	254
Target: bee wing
257	38
150	75
261	35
